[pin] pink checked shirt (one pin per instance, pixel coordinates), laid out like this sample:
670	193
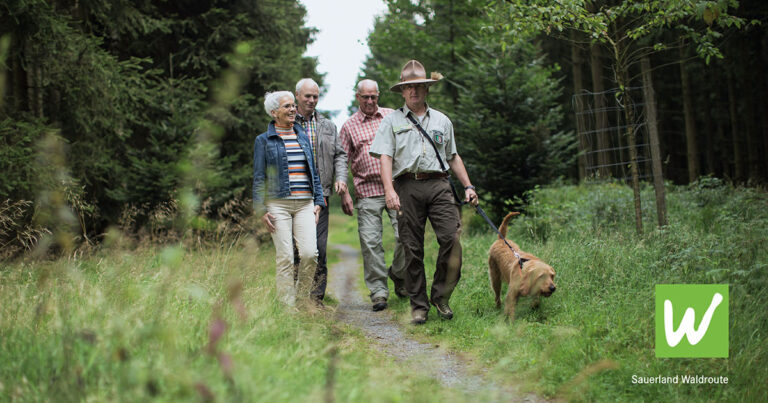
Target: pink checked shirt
356	137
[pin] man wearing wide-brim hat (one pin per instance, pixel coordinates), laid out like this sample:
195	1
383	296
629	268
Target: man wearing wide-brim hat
421	189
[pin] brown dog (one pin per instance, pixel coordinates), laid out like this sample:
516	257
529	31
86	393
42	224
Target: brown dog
536	277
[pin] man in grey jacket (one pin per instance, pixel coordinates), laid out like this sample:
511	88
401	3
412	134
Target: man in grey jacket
331	161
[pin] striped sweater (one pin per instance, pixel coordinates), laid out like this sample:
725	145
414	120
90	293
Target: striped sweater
298	170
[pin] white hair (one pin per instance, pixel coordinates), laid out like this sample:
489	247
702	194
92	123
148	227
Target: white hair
303	81
272	100
366	80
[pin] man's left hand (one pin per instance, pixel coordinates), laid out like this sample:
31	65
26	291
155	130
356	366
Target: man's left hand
347	205
317	213
471	197
340	187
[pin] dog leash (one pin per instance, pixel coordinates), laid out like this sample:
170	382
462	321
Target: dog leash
456	195
488	220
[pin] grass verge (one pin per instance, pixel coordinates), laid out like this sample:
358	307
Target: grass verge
173	323
587	341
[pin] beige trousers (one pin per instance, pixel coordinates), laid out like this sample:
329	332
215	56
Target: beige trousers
293	220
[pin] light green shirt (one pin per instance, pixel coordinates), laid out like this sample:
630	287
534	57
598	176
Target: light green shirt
410	151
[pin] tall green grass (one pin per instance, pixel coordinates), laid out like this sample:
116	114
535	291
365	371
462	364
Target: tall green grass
597	330
181	323
135	324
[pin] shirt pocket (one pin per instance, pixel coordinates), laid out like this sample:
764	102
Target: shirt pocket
399	130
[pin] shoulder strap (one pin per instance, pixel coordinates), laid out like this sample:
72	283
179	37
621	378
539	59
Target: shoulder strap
424	133
437	154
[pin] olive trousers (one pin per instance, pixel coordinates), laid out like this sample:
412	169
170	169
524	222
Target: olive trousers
421	200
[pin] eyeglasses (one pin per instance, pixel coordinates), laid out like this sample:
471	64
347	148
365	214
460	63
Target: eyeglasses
369	97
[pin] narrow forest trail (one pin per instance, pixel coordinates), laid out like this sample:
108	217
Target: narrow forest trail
388	334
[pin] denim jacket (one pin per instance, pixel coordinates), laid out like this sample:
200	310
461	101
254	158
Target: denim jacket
270	168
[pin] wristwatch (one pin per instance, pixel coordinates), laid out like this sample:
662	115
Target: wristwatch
469	187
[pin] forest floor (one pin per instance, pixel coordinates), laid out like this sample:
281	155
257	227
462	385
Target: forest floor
385	331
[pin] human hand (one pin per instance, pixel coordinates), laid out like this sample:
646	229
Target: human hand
347	206
267	219
470	196
317	214
392	199
340	187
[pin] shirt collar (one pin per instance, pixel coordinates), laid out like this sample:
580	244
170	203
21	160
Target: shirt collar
406	111
271	130
362	117
309	118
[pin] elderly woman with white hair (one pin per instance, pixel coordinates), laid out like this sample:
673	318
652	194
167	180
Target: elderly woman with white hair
287	191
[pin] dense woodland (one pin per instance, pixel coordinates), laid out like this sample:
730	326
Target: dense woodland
116	111
512	69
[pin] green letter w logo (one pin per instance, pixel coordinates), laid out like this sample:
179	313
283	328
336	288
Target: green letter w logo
709	338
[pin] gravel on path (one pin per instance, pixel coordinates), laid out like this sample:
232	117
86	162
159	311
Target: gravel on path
355	310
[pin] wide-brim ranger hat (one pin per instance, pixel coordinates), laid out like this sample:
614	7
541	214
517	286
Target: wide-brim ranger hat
413	73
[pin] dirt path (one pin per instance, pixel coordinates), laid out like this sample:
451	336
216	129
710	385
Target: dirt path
355	309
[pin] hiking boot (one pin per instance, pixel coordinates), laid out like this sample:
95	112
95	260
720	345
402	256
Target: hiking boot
418	317
379	303
399	284
443	309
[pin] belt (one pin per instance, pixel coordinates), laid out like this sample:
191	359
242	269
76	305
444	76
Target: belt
423	175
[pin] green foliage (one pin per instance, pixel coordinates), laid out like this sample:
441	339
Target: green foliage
611	23
18	158
173	323
500	97
508	114
128	86
586	341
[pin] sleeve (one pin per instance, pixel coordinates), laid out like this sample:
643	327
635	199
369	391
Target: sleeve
450	146
346	142
339	156
259	175
317	188
384	142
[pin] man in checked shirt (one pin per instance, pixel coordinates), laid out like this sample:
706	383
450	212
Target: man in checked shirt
357	134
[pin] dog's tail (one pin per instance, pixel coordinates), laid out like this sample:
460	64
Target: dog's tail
503	226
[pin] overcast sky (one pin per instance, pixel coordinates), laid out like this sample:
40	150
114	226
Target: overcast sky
341	47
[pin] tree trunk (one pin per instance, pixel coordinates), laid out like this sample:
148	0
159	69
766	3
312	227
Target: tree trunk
690	120
452	90
17	75
760	170
711	125
4	51
738	161
653	140
753	140
622	79
764	131
709	138
601	117
38	91
30	76
578	105
722	166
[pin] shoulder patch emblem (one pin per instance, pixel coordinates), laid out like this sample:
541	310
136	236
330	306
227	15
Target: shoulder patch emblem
438	136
